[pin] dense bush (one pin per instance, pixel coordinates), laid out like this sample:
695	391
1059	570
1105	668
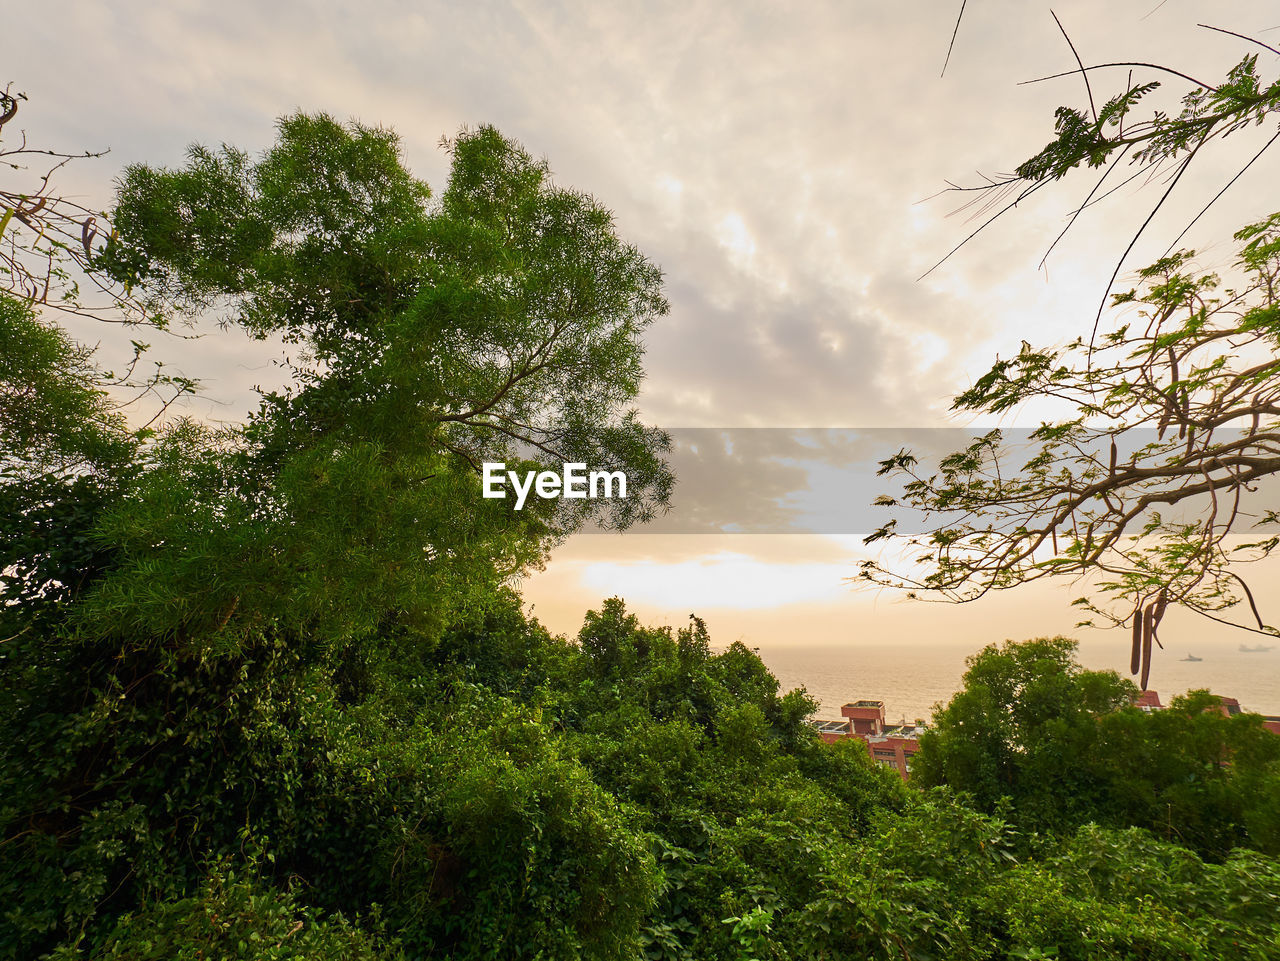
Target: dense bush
1066	747
231	918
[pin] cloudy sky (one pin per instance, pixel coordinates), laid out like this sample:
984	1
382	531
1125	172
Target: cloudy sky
773	158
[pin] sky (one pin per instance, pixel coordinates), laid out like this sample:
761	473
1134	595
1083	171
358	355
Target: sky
775	159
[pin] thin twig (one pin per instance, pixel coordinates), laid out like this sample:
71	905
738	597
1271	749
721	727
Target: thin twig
1080	63
1241	36
953	37
1123	63
1238	175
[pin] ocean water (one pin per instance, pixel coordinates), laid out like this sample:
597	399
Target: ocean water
912	678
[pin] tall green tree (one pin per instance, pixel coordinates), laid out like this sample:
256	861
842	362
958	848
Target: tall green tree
215	637
501	323
1024	726
64	453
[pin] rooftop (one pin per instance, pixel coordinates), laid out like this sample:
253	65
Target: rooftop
904	730
831	727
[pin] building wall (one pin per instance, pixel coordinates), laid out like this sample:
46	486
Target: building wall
894	752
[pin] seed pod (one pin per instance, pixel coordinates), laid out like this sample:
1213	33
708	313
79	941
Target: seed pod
1162	602
87	233
1148	630
1137	641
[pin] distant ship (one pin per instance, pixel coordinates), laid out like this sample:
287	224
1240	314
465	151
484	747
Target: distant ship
1256	649
1192	657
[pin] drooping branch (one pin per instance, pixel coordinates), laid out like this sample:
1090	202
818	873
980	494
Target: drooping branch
1200	428
1109	135
49	248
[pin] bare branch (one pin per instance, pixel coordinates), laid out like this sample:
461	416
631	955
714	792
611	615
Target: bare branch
1084	74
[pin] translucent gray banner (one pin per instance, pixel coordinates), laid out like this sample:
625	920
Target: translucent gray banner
826	481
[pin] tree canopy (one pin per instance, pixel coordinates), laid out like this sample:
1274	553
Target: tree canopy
1052	747
1148	485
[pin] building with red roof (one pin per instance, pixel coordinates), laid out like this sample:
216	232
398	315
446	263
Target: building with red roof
893	745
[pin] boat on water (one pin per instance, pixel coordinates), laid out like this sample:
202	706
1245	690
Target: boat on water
1256	648
1192	657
